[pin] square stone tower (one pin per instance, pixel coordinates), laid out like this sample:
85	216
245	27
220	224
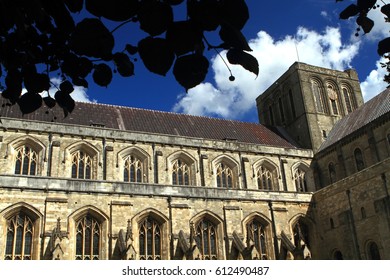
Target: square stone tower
307	101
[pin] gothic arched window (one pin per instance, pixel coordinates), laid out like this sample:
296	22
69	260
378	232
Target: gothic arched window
19	243
81	165
206	239
26	161
88	235
181	173
359	159
265	178
132	171
349	98
300	180
256	233
332	173
150	239
319	97
224	176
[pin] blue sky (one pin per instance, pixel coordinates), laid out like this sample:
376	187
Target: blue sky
279	32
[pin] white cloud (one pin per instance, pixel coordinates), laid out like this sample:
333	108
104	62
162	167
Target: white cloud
233	99
374	83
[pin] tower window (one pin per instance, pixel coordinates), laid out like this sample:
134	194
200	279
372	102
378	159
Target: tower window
290	96
271	115
281	110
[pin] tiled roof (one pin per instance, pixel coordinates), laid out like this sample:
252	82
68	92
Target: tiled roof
157	122
370	111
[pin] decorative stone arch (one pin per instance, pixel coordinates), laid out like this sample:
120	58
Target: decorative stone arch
86	148
187	159
36	145
98	215
334	97
319	94
272	167
163	222
36	218
299	181
373	250
139	153
302	233
217	223
260	218
230	163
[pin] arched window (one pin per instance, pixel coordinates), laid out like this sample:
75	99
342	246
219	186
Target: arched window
88	235
224	176
150	239
349	98
300	180
373	251
180	173
265	178
206	239
291	99
132	171
363	212
81	165
332	173
319	97
331	223
20	231
359	159
256	233
334	100
26	161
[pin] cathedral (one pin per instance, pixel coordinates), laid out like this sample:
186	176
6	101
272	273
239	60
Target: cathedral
311	180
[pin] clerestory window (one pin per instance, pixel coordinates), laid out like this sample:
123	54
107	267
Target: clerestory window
81	165
181	173
132	171
224	176
26	161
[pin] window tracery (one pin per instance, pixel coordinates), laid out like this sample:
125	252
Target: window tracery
265	178
181	173
206	240
224	176
26	161
256	233
19	243
88	235
81	165
150	239
132	171
300	180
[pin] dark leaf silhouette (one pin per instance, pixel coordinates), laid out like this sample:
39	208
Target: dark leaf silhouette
184	37
384	46
350	11
155	17
235	13
102	75
123	64
244	59
365	5
156	55
49	101
29	102
386	10
233	38
366	23
190	70
92	38
206	13
65	101
69	39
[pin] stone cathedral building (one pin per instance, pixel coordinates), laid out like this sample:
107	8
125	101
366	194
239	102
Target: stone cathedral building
109	182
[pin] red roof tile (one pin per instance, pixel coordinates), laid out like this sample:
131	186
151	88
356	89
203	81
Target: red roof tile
149	121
